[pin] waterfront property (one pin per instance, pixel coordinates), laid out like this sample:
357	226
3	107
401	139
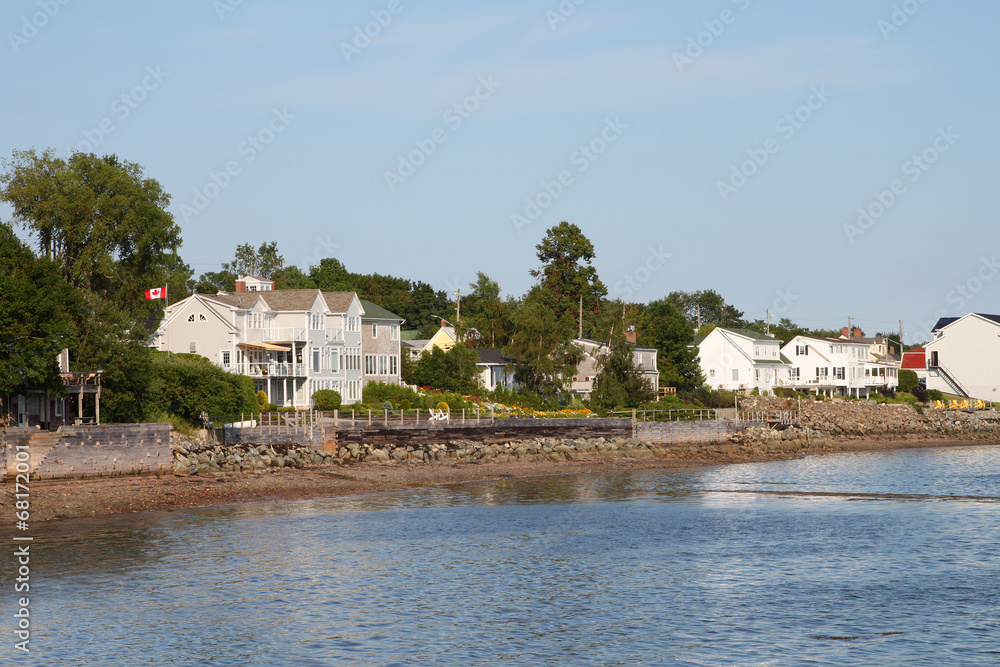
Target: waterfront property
742	360
643	358
964	357
837	367
380	344
292	343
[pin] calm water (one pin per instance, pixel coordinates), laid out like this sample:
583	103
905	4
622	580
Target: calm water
887	558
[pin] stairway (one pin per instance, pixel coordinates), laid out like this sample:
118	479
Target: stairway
40	445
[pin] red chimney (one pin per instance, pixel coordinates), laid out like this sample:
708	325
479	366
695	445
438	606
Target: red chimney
241	286
844	331
443	324
630	336
858	333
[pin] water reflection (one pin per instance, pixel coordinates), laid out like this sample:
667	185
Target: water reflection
635	567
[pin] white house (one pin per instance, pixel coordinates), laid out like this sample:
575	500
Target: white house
836	367
643	358
742	360
292	343
964	357
495	369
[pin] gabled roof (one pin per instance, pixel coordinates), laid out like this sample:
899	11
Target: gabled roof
375	312
915	359
286	300
746	333
946	321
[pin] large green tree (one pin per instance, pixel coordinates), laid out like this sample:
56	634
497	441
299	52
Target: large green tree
262	262
567	278
98	218
486	311
708	307
664	327
542	346
619	384
37	317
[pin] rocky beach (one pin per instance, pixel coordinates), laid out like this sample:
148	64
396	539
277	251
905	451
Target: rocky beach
209	474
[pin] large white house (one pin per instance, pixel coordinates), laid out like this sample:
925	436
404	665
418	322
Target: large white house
742	360
836	367
292	343
964	357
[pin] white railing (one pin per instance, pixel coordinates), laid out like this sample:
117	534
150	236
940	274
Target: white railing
334	335
284	334
268	369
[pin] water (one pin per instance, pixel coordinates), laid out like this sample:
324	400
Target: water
885	558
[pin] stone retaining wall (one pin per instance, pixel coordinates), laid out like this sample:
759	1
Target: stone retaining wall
500	430
93	451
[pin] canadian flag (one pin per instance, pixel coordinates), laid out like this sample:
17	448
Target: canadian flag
156	293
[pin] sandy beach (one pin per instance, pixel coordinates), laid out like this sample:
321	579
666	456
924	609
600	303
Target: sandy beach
66	499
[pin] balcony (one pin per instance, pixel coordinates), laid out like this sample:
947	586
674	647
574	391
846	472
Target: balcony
288	335
269	369
334	335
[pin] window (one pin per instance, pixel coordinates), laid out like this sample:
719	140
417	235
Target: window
370	364
335	360
838	373
383	364
794	374
202	318
756	374
394	332
315	359
59	407
801	350
736	375
822	373
393	365
711	372
191	318
316	322
374	331
225	356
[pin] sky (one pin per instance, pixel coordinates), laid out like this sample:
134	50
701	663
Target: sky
812	160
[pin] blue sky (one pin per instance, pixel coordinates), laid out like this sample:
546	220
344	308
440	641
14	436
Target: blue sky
724	145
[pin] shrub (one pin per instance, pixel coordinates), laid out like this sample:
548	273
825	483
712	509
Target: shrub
404	404
935	395
187	385
262	399
326	400
907	381
378	392
919	391
286	408
442	406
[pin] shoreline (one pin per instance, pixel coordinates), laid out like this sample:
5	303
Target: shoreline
104	496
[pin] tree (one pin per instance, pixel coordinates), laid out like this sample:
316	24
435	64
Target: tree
487	312
566	275
546	358
263	262
212	282
619	383
104	225
454	370
37	310
187	385
709	307
664	327
292	277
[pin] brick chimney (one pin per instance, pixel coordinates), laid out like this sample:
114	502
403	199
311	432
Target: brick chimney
241	286
630	336
858	333
443	324
844	332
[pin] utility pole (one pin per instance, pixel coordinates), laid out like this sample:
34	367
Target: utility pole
901	340
458	312
767	328
581	315
698	309
849	330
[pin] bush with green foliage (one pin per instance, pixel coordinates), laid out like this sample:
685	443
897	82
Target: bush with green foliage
377	392
935	395
326	400
187	385
907	380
